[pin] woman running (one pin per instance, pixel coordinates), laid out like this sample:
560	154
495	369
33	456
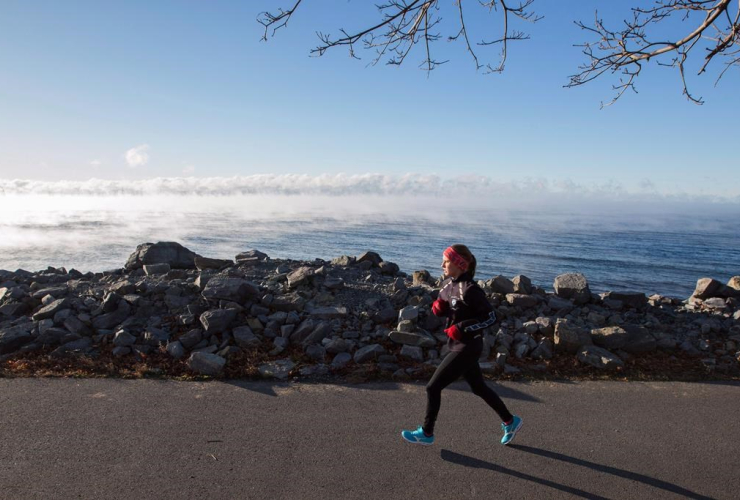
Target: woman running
468	313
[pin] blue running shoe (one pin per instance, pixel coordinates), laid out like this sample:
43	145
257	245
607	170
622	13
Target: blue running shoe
511	429
417	437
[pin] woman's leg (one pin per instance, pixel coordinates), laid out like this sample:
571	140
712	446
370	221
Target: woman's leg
474	377
447	372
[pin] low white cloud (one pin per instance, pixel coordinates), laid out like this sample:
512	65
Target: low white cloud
188	170
474	191
138	156
96	163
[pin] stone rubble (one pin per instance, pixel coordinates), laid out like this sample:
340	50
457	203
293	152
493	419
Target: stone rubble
356	313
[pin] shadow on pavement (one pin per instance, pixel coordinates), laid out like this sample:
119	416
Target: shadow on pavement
504	392
267	387
632	476
456	458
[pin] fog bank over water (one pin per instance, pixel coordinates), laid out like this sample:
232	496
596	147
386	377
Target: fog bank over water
491	193
617	245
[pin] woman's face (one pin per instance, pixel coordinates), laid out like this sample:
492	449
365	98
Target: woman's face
450	269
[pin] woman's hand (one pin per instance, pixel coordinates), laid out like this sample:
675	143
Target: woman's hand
454	332
440	307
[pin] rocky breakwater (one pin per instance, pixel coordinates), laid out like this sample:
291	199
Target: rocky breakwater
257	316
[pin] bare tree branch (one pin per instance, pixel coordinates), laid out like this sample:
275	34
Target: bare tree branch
714	26
404	23
623	51
276	21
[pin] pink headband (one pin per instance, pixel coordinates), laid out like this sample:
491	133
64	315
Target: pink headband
456	259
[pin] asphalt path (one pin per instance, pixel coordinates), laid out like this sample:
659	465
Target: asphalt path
141	439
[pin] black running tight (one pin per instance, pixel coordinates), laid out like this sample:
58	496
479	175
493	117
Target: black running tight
454	365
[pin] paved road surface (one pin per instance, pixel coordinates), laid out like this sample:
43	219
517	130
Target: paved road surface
140	439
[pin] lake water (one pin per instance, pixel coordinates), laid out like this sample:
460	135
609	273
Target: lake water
653	253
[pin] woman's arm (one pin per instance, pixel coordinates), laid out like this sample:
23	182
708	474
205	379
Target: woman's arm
476	299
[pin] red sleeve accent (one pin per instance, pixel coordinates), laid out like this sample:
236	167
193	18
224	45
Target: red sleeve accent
454	333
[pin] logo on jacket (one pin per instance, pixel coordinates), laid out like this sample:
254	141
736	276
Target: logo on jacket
453	303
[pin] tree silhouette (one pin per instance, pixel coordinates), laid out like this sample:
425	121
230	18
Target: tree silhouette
713	25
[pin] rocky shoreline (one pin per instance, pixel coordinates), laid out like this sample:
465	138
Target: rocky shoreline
171	312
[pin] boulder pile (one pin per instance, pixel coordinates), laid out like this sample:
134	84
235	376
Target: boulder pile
317	318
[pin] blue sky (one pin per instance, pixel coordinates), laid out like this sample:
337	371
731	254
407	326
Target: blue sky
136	90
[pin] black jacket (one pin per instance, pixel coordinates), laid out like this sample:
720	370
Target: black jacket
469	309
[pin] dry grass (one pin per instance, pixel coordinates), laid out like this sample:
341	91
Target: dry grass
158	364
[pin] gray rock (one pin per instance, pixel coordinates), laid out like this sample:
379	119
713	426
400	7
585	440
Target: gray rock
341	359
640	340
74	325
191	338
599	358
50	310
410	313
303	330
280	342
706	288
343	261
597	319
323	329
112	319
123	339
339	312
15	337
299	277
544	350
203	263
368	353
413	353
167	252
217	320
610	337
511	370
121	351
522	284
406	326
632	299
156	337
531	327
206	363
572	286
110	302
154	269
570	338
520	300
52	336
385	315
371	257
209	349
501	284
80	346
279	369
251	256
316	352
521	350
559	304
334	283
245	337
421	278
419	339
232	289
288	303
175	349
388	268
546	325
335	346
716	303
